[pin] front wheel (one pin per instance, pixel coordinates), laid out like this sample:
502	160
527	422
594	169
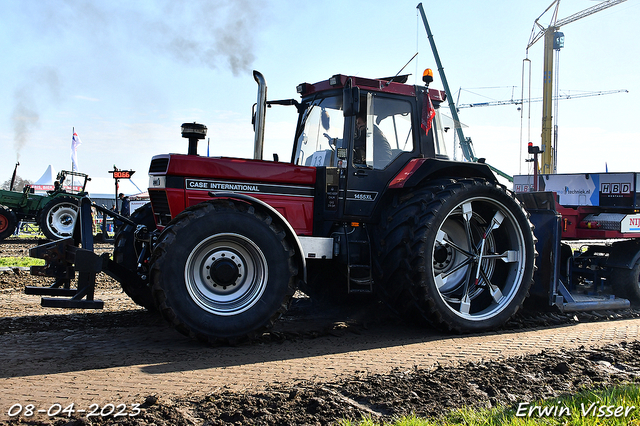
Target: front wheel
459	255
8	223
223	271
57	219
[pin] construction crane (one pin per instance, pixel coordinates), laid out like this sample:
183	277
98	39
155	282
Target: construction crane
524	101
554	40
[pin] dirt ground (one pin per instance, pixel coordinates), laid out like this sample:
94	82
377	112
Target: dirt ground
45	348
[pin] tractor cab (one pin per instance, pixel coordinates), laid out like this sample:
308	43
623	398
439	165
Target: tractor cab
375	118
368	130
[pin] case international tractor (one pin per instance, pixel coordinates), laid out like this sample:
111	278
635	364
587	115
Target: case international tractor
367	203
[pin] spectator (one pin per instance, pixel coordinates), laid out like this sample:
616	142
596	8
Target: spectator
124	205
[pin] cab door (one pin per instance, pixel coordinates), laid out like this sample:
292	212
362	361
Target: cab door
381	141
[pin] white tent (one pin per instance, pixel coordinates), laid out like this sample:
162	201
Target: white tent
103	187
45	183
48	179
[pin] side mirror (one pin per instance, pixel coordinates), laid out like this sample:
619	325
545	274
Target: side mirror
351	101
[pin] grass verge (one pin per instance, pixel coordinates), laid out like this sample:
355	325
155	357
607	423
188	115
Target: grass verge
618	405
20	261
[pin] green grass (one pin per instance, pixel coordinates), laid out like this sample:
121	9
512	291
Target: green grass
20	261
24	236
584	409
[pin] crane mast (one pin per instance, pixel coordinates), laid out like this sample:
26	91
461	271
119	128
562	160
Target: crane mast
554	40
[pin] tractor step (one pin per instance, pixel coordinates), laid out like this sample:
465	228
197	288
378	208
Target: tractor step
359	278
358	287
362	282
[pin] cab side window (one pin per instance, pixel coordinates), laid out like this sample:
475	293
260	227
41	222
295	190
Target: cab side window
382	131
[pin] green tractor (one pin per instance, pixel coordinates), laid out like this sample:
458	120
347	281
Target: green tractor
55	213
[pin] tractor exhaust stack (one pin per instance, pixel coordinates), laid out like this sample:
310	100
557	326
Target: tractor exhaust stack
13	178
259	117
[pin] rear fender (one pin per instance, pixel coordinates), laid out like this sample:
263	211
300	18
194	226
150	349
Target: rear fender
419	170
302	274
423	171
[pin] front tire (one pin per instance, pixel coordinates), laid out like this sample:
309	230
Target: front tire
223	271
57	219
459	255
8	223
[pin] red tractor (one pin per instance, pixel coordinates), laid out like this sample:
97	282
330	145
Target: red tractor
368	203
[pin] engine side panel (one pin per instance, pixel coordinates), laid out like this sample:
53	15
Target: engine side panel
188	180
238	169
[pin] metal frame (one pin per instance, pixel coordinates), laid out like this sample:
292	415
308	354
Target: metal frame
65	258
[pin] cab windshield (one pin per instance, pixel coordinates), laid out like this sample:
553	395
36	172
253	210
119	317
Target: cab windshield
322	133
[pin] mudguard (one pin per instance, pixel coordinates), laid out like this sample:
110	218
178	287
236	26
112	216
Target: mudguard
284	222
421	169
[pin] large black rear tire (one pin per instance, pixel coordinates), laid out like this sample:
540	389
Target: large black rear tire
57	219
126	252
8	223
457	254
627	282
223	271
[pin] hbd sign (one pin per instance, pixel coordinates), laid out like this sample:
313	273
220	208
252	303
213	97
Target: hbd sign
615	188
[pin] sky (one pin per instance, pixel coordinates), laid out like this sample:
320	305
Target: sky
125	75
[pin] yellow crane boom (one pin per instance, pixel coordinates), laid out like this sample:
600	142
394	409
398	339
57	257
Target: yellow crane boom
552	36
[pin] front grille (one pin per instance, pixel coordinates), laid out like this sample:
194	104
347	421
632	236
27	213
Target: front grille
160	207
159	165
